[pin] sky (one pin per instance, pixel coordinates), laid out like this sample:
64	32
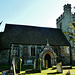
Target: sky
31	12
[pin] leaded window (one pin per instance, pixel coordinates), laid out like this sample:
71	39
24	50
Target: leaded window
17	49
25	53
32	51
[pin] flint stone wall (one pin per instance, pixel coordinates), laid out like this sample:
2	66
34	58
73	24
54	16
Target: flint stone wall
4	57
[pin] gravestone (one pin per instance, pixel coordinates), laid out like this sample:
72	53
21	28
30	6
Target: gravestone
13	61
39	64
20	63
59	68
35	64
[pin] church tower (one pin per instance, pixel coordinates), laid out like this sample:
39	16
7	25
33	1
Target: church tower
64	19
66	22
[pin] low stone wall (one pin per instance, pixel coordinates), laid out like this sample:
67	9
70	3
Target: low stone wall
4	57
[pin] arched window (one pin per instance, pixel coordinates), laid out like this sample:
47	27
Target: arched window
25	53
17	48
32	51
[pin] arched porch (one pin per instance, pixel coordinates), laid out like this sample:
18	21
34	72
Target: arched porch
48	57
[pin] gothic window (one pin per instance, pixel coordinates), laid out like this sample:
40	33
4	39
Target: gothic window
17	48
32	51
25	53
67	50
25	49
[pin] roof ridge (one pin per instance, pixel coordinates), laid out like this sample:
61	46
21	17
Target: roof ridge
29	26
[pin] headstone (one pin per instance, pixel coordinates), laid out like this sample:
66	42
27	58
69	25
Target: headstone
20	63
13	61
40	64
17	65
14	65
35	64
11	68
59	68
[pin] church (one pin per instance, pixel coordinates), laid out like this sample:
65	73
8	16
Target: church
32	43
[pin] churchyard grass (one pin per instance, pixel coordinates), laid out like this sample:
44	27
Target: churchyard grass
49	70
0	73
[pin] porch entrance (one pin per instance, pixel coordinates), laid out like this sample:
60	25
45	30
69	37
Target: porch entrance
47	60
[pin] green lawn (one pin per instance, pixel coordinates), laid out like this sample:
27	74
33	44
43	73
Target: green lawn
49	70
0	73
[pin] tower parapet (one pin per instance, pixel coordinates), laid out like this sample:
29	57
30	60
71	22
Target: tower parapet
64	18
66	22
67	8
67	11
60	18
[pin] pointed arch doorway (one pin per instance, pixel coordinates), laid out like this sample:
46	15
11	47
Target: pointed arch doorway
49	55
47	60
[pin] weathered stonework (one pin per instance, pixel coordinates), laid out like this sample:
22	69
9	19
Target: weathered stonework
40	52
64	23
4	56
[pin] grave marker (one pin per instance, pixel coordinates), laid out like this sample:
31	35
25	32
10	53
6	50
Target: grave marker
59	68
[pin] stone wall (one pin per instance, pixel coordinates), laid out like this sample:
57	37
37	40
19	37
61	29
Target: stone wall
65	53
66	21
4	57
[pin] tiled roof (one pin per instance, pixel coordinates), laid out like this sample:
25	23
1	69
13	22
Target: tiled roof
24	34
1	34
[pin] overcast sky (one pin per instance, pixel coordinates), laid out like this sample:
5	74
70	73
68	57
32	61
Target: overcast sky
32	12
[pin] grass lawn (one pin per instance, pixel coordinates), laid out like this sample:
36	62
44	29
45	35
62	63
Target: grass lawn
49	70
0	73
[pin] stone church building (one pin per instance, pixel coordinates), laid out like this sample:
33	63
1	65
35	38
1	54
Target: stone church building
32	43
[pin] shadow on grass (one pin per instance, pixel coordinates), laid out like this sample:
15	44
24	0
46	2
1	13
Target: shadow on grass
53	73
33	71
